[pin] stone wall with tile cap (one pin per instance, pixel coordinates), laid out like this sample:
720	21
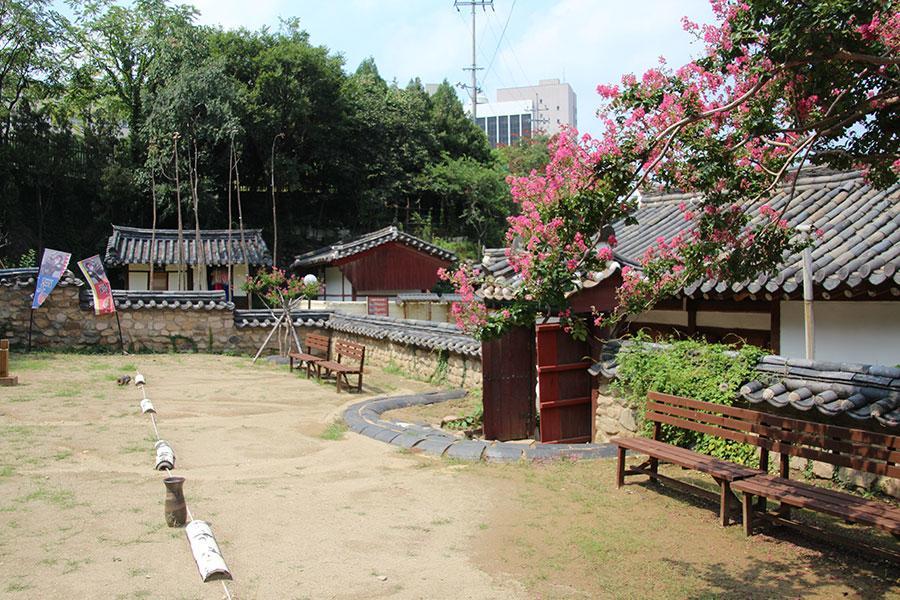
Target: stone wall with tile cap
65	322
199	324
437	366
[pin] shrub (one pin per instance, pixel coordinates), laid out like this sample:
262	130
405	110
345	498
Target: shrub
695	369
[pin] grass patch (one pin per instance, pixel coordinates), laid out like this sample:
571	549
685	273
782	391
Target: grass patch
393	368
334	432
6	471
58	497
67	393
62	455
17	586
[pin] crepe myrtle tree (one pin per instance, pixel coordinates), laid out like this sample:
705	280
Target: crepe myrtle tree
780	84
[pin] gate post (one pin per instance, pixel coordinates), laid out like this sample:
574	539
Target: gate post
508	384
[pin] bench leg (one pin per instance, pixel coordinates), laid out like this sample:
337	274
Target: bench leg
724	502
748	513
620	468
291	364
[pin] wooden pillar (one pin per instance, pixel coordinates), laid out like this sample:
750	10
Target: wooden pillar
5	378
691	306
775	326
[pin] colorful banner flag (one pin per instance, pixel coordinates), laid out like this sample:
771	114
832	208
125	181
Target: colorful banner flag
53	265
102	291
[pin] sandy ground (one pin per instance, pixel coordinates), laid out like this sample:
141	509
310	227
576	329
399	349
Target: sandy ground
296	516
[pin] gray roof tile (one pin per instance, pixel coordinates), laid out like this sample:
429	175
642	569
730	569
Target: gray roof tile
130	245
362	243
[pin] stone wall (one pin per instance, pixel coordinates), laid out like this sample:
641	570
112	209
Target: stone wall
62	323
614	418
422	363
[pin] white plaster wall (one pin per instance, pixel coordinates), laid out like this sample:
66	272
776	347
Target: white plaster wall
663	317
734	320
333	279
864	332
238	277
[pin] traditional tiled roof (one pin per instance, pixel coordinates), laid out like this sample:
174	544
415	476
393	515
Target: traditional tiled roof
834	389
501	281
435	336
264	318
860	244
860	224
859	391
130	245
136	300
356	245
26	277
427	297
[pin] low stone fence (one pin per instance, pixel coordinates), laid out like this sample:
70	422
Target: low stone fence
206	322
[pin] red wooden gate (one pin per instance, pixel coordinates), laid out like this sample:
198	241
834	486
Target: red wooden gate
507	375
564	386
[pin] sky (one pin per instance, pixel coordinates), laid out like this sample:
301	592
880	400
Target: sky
582	42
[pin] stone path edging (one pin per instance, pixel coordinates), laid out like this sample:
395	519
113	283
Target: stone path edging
365	418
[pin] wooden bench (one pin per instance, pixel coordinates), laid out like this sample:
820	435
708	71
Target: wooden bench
866	451
840	446
317	351
349	350
721	421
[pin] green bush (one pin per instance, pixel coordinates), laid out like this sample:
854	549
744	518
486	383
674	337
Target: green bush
694	369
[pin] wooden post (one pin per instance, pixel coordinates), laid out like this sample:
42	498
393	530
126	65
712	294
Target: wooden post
5	378
30	327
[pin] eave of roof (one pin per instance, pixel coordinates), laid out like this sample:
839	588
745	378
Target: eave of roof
357	245
132	245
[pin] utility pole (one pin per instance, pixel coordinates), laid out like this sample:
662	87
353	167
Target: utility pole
536	118
473	88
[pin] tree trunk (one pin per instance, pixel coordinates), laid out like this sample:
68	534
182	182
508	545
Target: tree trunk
152	229
180	259
199	252
237	180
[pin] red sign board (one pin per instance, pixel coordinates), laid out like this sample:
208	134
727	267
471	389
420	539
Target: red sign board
377	305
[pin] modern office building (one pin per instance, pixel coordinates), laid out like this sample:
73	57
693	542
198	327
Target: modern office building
505	122
521	112
554	104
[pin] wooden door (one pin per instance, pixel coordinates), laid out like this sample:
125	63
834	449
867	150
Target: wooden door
508	385
564	386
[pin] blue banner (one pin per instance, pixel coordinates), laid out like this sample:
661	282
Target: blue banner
53	265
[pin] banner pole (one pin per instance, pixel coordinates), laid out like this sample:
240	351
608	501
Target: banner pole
121	341
30	327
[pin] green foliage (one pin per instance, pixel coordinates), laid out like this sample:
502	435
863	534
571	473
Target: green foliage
526	155
28	259
694	369
91	106
472	420
334	432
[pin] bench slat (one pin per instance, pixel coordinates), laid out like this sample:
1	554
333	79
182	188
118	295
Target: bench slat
810	497
871	453
686	458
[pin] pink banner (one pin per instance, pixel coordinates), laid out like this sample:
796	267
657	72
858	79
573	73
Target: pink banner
96	275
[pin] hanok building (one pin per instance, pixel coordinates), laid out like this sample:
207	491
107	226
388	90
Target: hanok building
131	250
855	264
375	267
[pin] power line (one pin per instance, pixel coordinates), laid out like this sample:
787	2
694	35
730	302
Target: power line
499	41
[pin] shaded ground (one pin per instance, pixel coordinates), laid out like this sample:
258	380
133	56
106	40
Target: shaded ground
302	510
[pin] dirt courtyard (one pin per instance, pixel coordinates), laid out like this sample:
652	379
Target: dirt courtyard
302	510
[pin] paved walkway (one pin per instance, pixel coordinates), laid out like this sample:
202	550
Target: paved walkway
365	418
